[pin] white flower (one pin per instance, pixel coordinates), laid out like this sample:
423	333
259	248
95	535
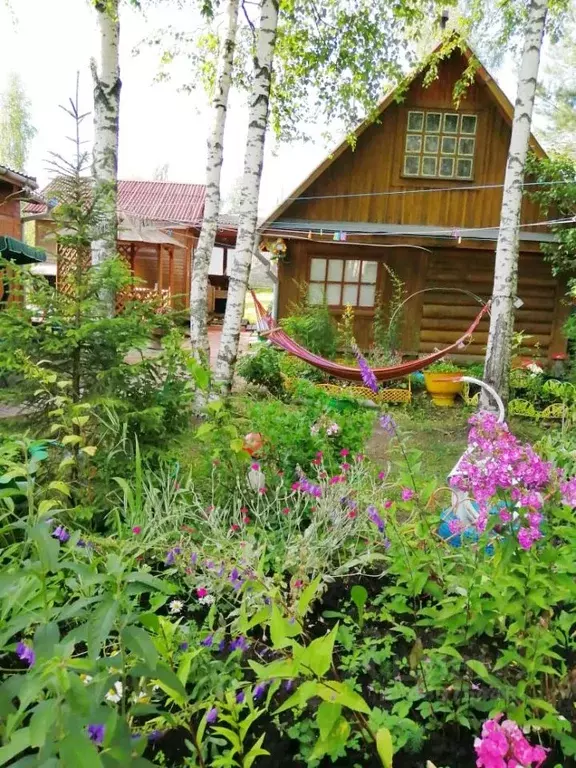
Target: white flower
142	697
206	600
333	429
535	369
176	606
86	679
114	695
314	429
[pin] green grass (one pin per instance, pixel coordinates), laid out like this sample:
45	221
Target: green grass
440	434
265	296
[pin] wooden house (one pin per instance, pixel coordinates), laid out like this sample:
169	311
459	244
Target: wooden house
420	193
158	227
15	188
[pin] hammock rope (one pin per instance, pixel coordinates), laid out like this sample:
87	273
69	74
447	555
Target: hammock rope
268	328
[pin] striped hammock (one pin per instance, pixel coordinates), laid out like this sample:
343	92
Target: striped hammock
268	328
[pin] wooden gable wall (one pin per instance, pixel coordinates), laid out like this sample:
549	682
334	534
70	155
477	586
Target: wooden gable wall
375	165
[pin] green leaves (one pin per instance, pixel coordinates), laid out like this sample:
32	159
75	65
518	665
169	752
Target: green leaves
384	747
100	626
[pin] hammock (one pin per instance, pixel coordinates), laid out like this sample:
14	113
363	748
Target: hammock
268	328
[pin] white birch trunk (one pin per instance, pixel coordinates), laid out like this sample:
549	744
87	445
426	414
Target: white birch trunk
107	87
497	366
215	157
250	190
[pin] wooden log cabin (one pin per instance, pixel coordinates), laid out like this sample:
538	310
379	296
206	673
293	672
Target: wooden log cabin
15	188
421	193
158	227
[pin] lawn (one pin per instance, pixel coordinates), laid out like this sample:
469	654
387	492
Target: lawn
440	434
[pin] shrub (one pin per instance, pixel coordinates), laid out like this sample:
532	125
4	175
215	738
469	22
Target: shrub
262	367
313	327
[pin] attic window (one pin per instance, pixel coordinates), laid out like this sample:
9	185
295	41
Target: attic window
440	145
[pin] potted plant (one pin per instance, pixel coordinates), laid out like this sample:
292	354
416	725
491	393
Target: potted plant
439	380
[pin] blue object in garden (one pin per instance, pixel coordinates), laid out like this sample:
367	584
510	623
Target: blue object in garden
468	535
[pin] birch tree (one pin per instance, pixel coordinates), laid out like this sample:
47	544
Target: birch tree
107	86
215	158
253	161
497	365
16	129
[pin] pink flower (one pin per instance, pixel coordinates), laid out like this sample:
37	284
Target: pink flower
234	527
344	452
246	520
381	475
201	592
352	514
359	457
298	583
319	455
345	466
455	526
255	466
388	504
286	511
505	746
407	494
262	490
136	529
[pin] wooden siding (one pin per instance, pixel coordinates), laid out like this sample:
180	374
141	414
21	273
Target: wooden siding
375	165
436	318
10	224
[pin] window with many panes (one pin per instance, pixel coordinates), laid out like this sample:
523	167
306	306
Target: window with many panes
440	145
342	281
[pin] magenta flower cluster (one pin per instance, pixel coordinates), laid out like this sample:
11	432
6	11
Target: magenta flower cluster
568	491
498	466
503	745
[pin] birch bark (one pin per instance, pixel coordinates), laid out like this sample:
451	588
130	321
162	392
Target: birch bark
215	157
107	86
253	160
497	365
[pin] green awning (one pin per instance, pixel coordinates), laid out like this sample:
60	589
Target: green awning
18	252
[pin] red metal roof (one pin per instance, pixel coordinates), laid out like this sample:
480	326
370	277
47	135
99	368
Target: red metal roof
160	201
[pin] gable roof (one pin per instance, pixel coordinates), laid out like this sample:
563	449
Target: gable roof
481	75
159	201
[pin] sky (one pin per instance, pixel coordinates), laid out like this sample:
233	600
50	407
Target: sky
49	41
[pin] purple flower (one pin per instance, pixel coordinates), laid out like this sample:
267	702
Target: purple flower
171	556
240	696
288	685
407	494
184	646
61	534
26	653
235	578
155	736
366	372
222	646
207	642
260	690
375	518
239	644
388	424
212	715
193	558
96	733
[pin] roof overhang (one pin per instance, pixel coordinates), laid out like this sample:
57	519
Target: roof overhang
19	179
20	253
288	227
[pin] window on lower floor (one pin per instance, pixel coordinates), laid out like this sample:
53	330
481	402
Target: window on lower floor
340	282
